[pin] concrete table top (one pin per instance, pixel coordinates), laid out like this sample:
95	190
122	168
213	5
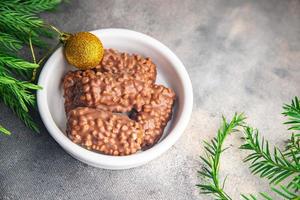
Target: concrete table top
241	56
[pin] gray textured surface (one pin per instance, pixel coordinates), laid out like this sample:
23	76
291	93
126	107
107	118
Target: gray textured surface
241	56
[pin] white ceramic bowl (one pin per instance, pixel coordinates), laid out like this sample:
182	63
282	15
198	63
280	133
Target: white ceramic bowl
171	73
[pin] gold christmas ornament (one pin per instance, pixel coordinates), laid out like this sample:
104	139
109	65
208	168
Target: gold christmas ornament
83	50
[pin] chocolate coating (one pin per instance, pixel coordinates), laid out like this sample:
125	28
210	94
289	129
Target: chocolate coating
96	102
103	131
107	91
136	66
156	114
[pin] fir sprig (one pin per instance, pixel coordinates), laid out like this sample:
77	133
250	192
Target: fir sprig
4	130
18	96
293	148
20	90
286	193
214	148
30	6
274	166
18	20
20	25
15	65
9	42
281	191
293	113
279	167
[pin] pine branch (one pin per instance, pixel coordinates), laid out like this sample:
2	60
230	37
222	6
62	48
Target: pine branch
20	25
286	193
14	65
20	90
275	167
30	6
252	197
4	131
295	183
17	95
292	148
17	20
213	152
23	115
26	74
10	43
293	113
282	192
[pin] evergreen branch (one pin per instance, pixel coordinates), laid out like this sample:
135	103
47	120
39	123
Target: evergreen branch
282	192
35	39
4	130
250	197
294	183
23	115
293	113
13	72
18	19
30	6
10	43
17	95
265	196
19	90
292	148
12	65
286	193
20	24
43	31
276	167
213	151
16	65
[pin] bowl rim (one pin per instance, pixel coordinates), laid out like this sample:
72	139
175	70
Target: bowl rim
119	162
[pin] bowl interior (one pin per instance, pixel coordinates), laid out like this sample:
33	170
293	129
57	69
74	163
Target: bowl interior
166	75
